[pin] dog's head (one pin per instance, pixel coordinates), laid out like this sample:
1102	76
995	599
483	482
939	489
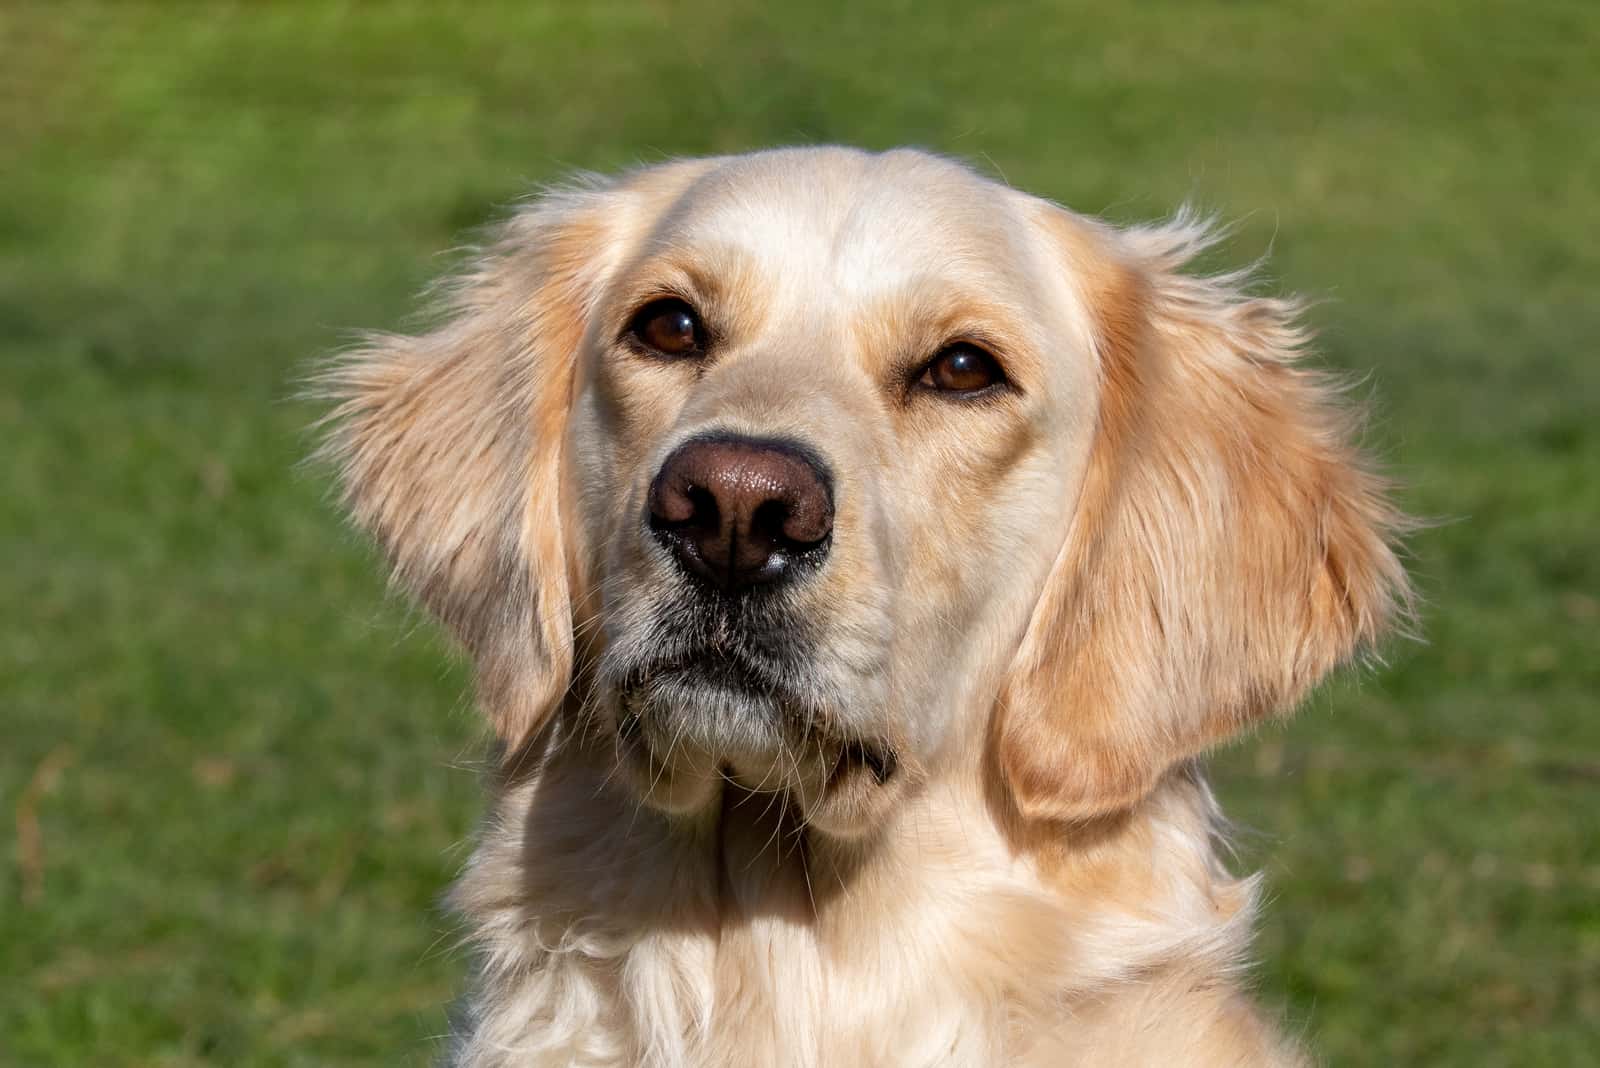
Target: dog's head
823	472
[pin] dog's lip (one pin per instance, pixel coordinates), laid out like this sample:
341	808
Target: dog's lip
711	666
849	754
760	699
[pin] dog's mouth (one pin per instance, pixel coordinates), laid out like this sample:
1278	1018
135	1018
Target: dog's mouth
687	723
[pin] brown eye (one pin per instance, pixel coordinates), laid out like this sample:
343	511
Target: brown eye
669	327
961	368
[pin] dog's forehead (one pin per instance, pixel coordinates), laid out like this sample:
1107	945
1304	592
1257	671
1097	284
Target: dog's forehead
864	225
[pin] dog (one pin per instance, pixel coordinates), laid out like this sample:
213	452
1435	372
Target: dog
856	556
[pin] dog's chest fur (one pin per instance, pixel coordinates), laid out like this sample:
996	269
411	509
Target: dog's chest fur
607	936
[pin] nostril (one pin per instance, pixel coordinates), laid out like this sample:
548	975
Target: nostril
790	525
680	507
768	521
706	514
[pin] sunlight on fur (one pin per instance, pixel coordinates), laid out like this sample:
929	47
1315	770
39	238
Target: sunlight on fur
856	556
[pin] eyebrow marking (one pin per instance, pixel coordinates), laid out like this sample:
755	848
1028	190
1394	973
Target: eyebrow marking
904	330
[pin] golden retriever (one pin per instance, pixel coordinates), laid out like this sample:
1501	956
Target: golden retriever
855	556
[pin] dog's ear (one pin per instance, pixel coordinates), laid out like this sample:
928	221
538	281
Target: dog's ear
450	446
1229	546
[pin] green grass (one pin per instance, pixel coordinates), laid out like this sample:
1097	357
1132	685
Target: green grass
239	775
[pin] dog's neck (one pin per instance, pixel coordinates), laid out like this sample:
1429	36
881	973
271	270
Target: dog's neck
606	930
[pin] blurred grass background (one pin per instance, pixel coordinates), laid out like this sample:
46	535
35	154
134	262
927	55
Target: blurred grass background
237	777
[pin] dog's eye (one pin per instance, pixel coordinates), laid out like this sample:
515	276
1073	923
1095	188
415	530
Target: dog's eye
669	327
961	368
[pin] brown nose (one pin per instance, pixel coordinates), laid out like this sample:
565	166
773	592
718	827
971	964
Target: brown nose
739	512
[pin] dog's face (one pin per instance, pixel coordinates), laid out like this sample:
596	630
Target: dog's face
829	412
832	471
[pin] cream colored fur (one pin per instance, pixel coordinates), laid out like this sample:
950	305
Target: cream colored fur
1046	604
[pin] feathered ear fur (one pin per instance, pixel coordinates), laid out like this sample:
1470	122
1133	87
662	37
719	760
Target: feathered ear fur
450	448
1229	548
